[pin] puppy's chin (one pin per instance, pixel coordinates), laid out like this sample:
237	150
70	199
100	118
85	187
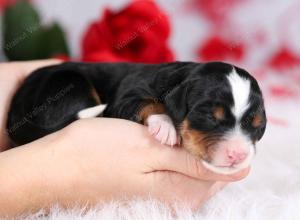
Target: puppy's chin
230	169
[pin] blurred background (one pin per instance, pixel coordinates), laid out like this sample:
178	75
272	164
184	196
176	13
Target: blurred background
262	36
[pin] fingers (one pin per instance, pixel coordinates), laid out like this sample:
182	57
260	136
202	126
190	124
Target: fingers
179	160
153	156
22	69
176	188
27	67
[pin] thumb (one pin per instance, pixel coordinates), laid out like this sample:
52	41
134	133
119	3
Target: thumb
177	159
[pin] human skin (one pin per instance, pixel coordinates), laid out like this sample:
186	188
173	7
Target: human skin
97	160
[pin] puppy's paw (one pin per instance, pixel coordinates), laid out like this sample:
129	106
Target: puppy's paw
161	127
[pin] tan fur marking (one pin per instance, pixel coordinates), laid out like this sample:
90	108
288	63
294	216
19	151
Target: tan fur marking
257	121
192	140
219	113
151	109
95	95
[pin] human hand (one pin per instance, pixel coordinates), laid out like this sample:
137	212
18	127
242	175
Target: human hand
98	160
123	160
12	75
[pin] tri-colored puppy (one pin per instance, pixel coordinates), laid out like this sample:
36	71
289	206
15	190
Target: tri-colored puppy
214	110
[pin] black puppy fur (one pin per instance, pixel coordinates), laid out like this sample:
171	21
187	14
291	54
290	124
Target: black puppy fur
189	93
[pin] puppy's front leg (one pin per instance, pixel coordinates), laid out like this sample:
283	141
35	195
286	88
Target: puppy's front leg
159	123
162	128
139	105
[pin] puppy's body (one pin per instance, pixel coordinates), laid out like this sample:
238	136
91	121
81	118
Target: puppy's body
210	106
89	85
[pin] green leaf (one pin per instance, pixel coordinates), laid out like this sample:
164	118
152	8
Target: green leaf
25	38
54	43
21	29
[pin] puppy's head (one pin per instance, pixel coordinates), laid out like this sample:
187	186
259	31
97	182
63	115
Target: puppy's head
220	113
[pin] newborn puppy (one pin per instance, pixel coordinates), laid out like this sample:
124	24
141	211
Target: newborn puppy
214	110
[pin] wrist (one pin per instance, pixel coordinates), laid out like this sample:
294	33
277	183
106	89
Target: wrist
30	175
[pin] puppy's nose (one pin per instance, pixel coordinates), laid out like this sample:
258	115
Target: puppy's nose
236	156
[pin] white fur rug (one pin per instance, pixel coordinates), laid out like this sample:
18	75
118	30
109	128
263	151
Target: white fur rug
272	190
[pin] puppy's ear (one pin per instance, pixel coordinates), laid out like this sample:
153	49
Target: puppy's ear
176	103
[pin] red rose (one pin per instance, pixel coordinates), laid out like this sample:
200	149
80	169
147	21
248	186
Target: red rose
5	3
284	59
138	33
216	48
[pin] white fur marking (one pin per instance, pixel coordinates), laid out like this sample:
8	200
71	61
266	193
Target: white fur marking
240	91
91	112
247	145
231	170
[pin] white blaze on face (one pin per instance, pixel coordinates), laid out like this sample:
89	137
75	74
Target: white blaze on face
235	140
240	88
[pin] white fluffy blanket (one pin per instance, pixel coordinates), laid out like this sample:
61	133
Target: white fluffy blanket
272	190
